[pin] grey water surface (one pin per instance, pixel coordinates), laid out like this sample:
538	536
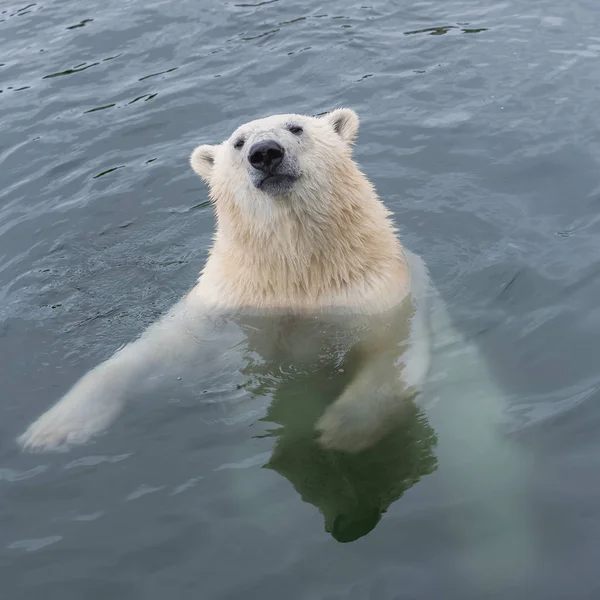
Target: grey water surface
480	129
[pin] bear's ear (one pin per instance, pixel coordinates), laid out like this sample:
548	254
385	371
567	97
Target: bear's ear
344	122
203	161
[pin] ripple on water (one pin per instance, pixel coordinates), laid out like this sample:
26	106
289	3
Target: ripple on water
143	490
92	461
12	475
447	119
35	544
247	463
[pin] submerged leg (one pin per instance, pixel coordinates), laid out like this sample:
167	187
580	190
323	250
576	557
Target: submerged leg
484	472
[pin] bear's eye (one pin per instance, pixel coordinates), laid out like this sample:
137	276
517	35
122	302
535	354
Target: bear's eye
239	144
295	129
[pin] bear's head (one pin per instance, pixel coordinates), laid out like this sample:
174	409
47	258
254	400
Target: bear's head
271	163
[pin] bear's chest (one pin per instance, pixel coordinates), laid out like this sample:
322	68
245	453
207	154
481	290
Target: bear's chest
302	341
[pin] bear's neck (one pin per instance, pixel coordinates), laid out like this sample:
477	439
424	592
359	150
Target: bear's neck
306	260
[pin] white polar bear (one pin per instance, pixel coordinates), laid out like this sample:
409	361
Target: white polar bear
301	236
300	233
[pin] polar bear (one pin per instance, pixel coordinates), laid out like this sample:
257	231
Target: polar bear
300	234
308	267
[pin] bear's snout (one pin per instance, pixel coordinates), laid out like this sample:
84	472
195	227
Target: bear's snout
266	155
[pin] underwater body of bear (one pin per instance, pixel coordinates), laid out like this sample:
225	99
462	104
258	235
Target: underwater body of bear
300	235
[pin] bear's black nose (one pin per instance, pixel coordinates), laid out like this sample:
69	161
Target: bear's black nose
265	156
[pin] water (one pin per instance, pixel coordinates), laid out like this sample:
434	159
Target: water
479	126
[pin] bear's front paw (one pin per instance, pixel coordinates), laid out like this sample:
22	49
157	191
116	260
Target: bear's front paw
74	420
49	435
347	428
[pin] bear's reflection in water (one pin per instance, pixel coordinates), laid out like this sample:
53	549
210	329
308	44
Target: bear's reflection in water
351	490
